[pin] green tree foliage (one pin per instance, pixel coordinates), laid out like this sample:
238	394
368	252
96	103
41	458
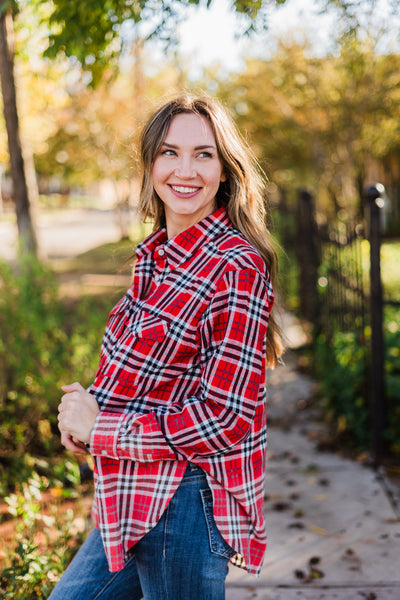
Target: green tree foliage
321	122
93	32
42	84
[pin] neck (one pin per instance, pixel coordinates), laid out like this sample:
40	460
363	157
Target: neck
177	223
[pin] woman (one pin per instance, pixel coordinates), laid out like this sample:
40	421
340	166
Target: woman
175	418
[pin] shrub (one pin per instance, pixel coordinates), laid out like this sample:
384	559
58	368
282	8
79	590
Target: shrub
31	572
392	377
341	367
43	344
31	356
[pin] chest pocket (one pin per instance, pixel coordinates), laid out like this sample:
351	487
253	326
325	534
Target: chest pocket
149	327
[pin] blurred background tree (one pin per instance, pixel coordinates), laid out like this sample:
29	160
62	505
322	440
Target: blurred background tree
321	122
89	32
86	42
18	165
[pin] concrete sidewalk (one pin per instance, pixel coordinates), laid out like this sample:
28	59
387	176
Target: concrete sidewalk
333	533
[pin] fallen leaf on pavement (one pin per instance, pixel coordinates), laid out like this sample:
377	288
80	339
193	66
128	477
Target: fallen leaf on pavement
319	530
320	497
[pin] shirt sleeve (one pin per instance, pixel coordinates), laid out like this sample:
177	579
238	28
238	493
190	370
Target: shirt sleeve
233	343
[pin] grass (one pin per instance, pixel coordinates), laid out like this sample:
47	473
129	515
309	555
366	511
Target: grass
390	269
111	258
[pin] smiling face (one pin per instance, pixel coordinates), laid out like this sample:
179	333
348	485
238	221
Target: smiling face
187	172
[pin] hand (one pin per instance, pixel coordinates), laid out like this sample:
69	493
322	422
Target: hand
77	414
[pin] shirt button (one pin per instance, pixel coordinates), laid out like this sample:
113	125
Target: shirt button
161	252
104	452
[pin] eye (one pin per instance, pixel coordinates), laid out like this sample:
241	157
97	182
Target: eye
205	154
168	152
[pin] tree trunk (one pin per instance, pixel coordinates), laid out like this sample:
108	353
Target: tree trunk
27	237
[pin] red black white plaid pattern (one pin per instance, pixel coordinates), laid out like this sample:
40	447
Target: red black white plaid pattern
181	378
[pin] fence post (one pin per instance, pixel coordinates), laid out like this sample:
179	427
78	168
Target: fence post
308	256
378	404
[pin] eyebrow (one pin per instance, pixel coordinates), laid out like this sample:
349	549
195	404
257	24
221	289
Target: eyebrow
203	147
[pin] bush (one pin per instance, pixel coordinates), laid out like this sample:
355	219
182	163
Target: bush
392	377
30	572
31	358
44	344
341	367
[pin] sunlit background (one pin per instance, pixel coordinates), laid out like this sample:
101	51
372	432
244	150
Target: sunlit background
315	89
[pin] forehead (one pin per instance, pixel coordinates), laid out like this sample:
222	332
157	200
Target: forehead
190	128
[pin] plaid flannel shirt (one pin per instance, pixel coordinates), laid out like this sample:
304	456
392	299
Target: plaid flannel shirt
182	378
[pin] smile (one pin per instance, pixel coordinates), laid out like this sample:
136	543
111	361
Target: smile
183	189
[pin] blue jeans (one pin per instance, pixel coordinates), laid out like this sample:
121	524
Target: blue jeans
184	557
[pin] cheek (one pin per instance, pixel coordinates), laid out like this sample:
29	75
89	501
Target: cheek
154	174
157	181
158	178
158	171
218	177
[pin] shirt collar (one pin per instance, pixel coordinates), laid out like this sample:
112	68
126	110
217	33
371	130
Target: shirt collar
185	244
150	243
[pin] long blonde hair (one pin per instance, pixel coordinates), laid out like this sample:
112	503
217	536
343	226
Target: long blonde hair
241	194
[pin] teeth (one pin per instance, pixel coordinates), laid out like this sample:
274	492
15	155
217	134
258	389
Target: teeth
183	190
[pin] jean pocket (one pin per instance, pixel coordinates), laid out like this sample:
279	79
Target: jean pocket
217	543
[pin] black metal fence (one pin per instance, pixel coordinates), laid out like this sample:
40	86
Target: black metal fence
340	288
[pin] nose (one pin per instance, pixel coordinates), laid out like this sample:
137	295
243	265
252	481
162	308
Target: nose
185	174
185	170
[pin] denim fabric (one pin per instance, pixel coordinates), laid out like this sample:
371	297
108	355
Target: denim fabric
184	557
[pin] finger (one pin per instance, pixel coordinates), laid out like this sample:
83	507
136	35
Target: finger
77	442
73	387
65	424
68	399
61	424
68	442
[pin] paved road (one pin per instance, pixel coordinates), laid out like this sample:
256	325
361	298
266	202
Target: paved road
64	233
